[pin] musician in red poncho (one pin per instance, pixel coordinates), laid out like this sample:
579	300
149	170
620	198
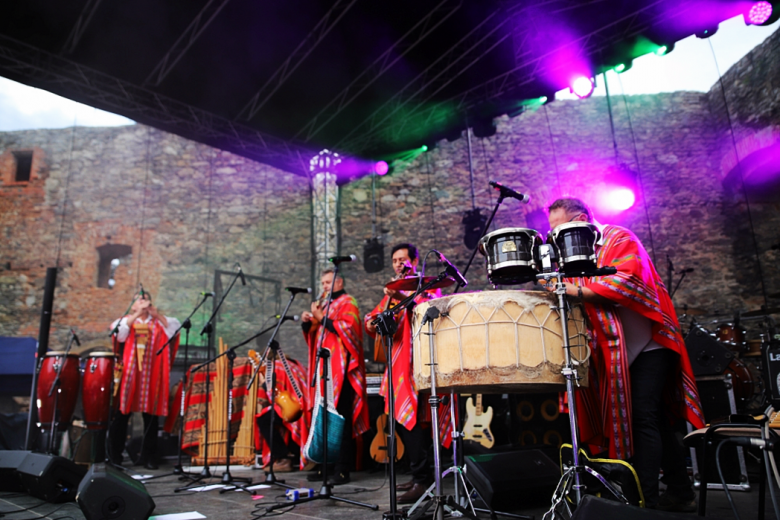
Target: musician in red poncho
145	383
344	338
640	374
288	437
409	412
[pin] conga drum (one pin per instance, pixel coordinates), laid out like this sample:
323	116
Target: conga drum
65	399
96	389
498	342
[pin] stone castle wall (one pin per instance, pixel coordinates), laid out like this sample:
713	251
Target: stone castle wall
187	209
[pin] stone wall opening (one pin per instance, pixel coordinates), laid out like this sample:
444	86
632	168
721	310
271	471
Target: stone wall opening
23	160
110	256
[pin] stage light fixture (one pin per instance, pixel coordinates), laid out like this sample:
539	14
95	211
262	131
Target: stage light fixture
706	33
621	199
381	168
582	87
759	13
424	148
665	49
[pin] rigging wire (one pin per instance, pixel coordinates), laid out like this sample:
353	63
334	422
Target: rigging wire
143	203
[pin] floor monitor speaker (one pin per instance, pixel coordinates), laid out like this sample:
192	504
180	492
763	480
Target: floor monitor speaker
49	477
9	464
106	493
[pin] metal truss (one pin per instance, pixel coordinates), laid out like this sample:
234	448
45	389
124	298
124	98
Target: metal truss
530	66
301	52
325	193
190	35
80	26
424	27
67	78
444	70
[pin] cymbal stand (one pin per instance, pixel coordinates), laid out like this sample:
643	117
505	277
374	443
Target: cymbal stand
186	325
323	360
272	351
571	480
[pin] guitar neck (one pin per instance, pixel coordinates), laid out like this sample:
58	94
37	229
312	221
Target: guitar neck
479	405
288	371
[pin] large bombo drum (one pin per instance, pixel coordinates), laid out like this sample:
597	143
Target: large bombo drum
96	391
509	255
65	400
575	245
498	342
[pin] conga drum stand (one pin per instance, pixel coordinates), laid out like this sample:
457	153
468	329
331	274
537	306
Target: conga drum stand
571	480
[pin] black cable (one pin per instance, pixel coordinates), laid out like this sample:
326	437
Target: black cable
554	155
723	479
3	513
40	515
741	177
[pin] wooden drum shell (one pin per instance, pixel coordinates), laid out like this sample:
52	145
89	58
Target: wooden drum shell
498	342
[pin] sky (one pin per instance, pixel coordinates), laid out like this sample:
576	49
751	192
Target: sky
691	66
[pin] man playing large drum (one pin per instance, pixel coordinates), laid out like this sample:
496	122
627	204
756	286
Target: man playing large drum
639	360
407	412
145	382
344	338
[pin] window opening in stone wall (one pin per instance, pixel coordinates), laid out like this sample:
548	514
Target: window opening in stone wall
110	257
23	166
325	194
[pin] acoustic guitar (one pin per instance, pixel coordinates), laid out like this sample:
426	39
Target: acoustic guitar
477	426
379	451
288	404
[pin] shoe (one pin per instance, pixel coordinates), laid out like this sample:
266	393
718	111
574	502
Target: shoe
283	466
339	478
315	477
671	503
151	465
405	487
310	466
411	496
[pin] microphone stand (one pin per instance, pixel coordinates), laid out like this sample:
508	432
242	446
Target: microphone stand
273	349
56	384
208	329
323	359
501	196
186	325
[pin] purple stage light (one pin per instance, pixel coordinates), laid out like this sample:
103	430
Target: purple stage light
582	87
381	168
759	13
620	199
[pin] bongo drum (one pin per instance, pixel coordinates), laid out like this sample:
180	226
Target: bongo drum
65	400
575	244
498	342
96	389
509	255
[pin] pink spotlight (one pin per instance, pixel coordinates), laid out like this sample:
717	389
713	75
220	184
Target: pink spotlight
582	87
381	168
620	199
759	13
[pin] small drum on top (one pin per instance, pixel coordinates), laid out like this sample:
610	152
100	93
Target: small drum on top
510	254
575	247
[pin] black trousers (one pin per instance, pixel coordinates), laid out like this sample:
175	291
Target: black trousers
117	433
655	444
344	408
279	449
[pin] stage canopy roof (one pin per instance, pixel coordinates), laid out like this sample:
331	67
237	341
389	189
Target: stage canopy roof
277	81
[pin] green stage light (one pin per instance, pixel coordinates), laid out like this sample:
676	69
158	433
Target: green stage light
661	50
424	148
542	100
620	67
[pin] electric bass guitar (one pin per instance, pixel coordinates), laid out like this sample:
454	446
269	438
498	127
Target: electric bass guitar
477	426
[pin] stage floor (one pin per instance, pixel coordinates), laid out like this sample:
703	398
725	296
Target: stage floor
365	487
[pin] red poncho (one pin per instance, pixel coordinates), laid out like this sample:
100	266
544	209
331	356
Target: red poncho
346	357
604	408
146	389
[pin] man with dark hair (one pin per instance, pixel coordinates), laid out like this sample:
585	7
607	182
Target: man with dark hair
145	383
344	338
408	413
638	360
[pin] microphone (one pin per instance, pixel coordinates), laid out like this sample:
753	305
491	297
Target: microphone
509	192
338	259
207	294
287	318
452	271
689	270
298	290
75	338
241	274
